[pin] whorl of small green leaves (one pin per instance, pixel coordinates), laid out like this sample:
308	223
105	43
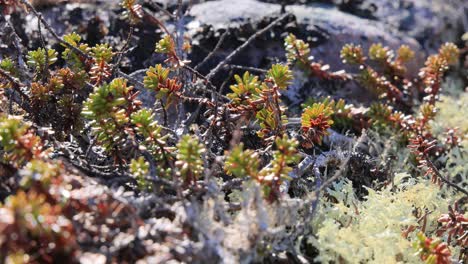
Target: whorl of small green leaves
247	86
189	159
102	53
317	110
155	76
7	65
72	39
371	80
352	54
380	116
77	78
427	111
69	55
268	119
315	122
405	53
449	52
56	83
10	130
156	79
284	156
150	130
146	124
281	75
18	143
341	112
107	108
43	92
165	45
296	50
37	58
140	169
241	163
380	53
106	98
338	107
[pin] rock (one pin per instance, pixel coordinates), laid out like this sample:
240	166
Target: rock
432	23
324	26
424	25
225	13
340	28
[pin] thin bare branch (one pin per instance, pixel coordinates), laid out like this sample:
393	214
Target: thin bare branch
213	52
244	45
444	179
246	68
52	31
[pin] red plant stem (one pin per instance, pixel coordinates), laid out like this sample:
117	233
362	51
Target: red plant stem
439	175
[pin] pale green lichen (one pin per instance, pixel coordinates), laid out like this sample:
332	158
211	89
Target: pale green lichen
371	231
450	115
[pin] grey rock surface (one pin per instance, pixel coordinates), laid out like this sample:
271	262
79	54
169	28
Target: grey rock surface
325	25
423	25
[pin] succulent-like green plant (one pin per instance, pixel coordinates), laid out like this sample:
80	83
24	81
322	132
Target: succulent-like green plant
404	53
148	128
297	51
74	60
352	54
102	52
245	90
18	141
153	141
272	176
270	122
140	169
7	64
315	121
378	52
298	54
44	172
102	55
157	79
342	116
432	251
281	75
165	45
109	108
380	116
30	217
450	52
37	58
242	163
189	159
